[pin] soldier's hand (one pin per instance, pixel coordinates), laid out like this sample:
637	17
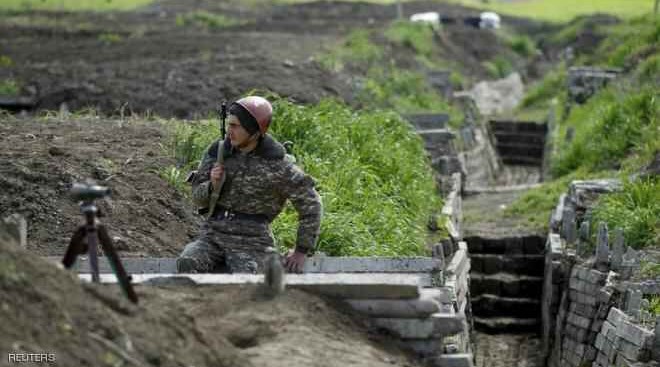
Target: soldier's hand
294	262
216	174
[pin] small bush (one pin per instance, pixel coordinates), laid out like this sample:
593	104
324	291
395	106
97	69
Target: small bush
552	85
205	19
500	67
636	210
416	36
6	61
9	87
357	49
371	170
523	45
109	38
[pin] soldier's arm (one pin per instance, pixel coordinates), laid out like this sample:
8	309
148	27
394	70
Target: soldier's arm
298	187
201	185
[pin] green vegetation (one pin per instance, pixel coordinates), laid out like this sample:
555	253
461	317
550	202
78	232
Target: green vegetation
615	133
377	187
608	128
536	204
356	49
8	87
5	61
654	305
416	36
109	38
404	92
563	10
636	210
522	45
384	85
202	18
551	86
499	67
72	5
629	42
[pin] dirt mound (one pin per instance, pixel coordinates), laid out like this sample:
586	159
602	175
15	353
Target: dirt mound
47	310
41	158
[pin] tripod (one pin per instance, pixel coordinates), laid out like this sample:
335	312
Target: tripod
87	237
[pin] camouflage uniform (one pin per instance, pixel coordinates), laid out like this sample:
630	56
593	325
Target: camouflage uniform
257	183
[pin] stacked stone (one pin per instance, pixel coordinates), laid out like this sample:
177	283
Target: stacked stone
583	82
623	343
551	289
587	308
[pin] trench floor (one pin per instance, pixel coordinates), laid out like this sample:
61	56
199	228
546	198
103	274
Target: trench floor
508	350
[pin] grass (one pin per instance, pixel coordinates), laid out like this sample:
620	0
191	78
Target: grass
109	38
202	18
535	206
8	87
563	10
376	184
499	67
356	49
416	36
71	5
636	210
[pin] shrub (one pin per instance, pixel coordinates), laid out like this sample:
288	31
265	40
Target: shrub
8	87
499	67
205	19
356	49
522	45
109	38
6	61
552	85
636	210
416	36
377	186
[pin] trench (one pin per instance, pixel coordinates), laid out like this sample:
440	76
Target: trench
507	261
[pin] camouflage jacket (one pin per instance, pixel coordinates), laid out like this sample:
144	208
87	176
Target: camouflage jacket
260	182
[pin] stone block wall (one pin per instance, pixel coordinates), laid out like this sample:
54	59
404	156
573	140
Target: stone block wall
591	310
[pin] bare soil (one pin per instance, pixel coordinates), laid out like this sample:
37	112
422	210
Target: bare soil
41	158
143	61
47	310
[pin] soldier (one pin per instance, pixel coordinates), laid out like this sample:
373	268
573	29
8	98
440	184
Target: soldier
258	179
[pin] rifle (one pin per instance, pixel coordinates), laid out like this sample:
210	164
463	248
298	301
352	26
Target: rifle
215	195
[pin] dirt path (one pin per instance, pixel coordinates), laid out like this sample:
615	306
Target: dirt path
508	350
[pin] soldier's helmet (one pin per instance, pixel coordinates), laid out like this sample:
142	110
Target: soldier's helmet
260	109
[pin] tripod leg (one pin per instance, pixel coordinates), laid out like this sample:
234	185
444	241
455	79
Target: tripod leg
123	278
76	247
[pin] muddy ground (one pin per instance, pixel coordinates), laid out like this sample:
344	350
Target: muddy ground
91	325
143	61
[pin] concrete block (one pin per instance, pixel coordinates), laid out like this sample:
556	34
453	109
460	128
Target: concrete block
331	264
409	308
633	352
616	317
634	334
436	326
347	286
578	321
450	360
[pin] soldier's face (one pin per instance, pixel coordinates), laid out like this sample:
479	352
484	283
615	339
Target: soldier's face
238	136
